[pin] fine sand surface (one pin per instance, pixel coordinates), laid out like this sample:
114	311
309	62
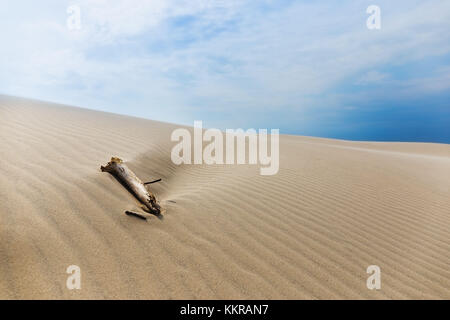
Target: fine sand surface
309	232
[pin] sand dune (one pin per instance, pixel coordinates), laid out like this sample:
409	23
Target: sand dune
309	232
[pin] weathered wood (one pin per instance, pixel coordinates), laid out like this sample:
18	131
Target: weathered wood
133	184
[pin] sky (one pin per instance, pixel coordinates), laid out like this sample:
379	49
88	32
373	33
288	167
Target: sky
305	67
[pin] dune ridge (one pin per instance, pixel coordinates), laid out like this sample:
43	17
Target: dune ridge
309	232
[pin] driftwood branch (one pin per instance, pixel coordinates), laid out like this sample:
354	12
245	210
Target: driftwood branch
133	184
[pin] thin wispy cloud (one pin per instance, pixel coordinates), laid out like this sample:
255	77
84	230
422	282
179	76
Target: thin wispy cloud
372	77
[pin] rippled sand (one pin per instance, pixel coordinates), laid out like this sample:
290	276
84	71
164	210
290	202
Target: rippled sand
309	232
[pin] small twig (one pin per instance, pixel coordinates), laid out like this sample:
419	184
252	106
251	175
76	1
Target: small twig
145	183
131	213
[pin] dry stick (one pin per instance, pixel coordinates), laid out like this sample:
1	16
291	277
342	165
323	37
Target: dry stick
133	184
131	213
145	183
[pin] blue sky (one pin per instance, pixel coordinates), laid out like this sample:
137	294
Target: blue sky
305	67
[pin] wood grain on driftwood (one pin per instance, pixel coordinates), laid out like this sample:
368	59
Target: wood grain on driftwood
133	184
